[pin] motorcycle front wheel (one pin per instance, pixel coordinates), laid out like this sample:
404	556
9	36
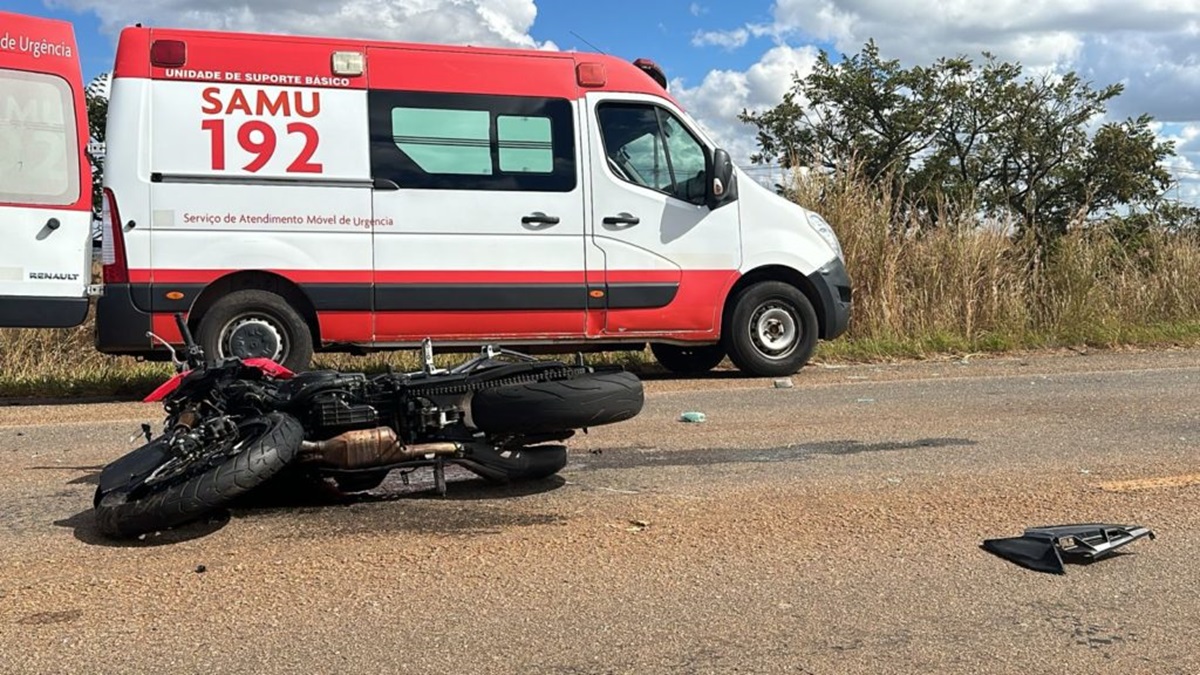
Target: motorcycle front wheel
265	446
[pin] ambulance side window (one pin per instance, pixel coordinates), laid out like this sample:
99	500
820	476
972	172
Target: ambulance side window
39	148
526	144
472	142
647	146
444	141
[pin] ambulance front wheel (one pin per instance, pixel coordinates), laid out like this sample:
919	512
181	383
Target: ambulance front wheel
249	324
771	329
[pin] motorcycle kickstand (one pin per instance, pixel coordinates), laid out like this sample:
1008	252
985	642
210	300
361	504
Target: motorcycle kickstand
439	476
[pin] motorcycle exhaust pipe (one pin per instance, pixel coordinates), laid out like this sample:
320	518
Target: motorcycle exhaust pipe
367	448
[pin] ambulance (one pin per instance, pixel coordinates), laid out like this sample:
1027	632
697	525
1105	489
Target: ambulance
300	194
45	178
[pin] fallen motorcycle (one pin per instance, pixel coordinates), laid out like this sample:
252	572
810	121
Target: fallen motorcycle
233	425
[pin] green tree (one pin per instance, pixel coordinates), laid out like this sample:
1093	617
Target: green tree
863	109
1123	165
964	156
96	95
956	136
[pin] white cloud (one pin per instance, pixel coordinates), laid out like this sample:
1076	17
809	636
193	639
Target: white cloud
1152	47
1185	167
727	39
476	22
718	99
696	9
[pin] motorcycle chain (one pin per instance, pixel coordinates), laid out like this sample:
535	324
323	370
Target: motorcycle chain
470	388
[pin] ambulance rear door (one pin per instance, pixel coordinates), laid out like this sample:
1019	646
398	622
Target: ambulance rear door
45	179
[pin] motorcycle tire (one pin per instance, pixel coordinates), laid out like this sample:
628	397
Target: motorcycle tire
587	400
266	453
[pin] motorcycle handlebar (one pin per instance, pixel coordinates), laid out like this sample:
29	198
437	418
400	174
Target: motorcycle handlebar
193	354
186	332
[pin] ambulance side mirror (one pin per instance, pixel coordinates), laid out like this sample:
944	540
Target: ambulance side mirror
721	187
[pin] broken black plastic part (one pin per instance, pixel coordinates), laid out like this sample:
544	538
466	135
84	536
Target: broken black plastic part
1033	553
1044	549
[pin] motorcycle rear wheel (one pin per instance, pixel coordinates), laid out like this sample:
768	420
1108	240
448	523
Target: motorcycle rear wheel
586	400
269	446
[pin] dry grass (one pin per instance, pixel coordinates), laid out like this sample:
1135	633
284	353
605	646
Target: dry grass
64	363
969	286
919	291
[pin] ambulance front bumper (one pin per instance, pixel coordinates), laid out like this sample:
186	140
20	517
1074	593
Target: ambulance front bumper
833	285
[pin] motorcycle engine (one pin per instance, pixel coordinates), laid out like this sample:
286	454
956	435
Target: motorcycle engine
331	401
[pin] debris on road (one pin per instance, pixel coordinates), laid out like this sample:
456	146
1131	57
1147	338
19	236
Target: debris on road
784	383
201	569
1044	549
692	417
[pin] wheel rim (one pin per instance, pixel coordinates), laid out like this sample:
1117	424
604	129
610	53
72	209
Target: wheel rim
775	330
248	432
253	335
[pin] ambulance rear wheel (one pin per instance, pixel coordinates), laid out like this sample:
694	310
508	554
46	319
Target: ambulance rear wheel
256	324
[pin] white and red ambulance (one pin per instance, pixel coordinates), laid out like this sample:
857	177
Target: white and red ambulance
45	178
293	194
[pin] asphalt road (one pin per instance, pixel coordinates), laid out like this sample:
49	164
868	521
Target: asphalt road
829	528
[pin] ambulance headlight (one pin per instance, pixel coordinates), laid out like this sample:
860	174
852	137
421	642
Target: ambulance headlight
823	228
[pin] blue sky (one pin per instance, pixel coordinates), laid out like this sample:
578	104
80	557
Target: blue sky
726	56
95	49
661	30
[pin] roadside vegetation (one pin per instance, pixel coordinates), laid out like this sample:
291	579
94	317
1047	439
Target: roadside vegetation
980	210
918	293
965	288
